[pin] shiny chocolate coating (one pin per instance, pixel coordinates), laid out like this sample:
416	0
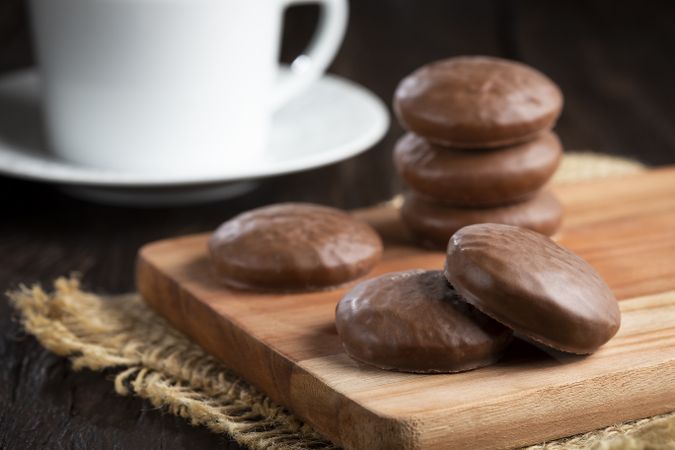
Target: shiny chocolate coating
414	321
431	224
293	246
477	177
477	101
534	286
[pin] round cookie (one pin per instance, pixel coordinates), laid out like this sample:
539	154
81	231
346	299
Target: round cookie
414	321
477	101
477	178
293	246
534	286
432	224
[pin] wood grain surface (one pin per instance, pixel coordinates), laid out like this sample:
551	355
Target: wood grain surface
287	344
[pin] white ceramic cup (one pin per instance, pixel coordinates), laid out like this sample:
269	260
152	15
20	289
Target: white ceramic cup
170	86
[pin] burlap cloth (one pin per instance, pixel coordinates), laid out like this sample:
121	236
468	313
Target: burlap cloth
155	362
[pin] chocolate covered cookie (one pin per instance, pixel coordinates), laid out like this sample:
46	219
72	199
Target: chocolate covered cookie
531	284
293	246
477	177
432	224
415	322
477	102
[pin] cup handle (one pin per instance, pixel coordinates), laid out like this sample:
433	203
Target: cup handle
310	65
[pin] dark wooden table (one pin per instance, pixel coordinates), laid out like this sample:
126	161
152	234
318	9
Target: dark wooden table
612	59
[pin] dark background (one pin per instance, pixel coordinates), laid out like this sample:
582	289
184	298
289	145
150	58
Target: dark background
612	59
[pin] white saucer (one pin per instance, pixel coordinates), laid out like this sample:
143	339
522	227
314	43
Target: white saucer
332	120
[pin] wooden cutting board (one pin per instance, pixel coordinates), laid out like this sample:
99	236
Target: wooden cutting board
287	346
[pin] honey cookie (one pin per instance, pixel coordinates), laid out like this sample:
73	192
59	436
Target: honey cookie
432	224
531	284
477	102
477	178
414	321
293	246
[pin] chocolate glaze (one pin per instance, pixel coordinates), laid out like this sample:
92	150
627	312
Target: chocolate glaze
477	177
293	246
432	224
477	101
534	286
415	322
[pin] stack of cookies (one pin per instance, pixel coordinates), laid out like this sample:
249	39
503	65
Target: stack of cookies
479	147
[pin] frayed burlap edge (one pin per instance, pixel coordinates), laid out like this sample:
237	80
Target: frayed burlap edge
584	166
155	362
653	433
